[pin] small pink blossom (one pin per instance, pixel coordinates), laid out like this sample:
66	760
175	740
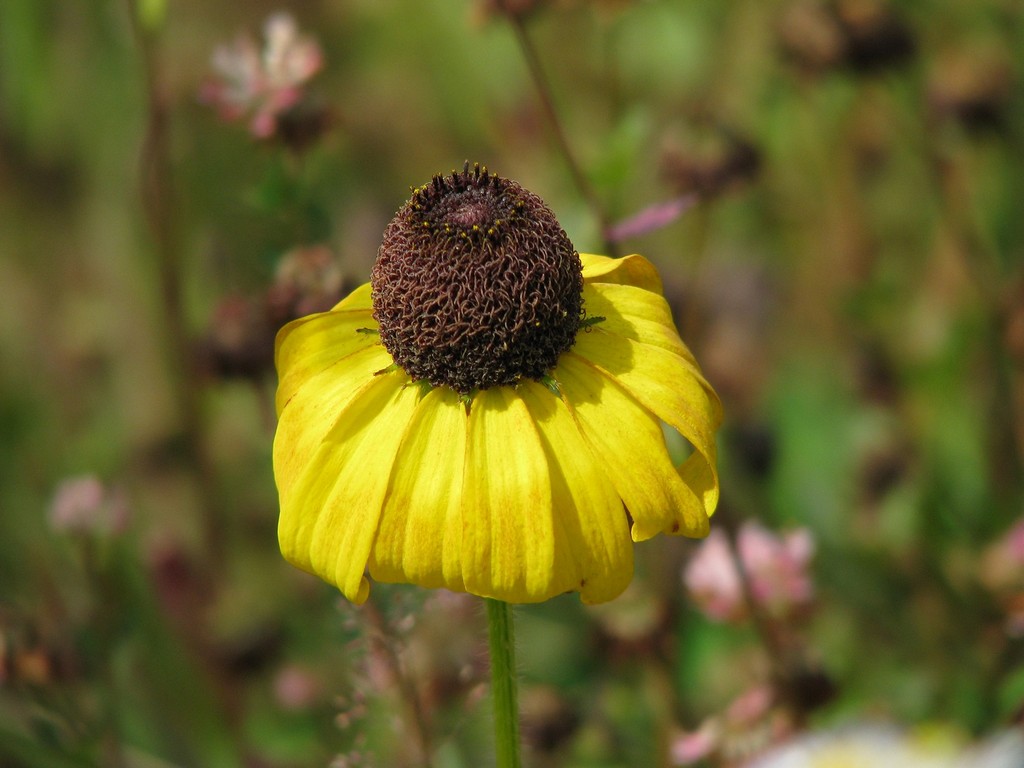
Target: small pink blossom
748	725
688	748
296	688
651	218
308	280
84	505
1002	564
261	85
1014	543
1001	571
777	567
751	705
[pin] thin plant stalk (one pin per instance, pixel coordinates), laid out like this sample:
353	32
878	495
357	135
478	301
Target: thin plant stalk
416	718
501	634
157	194
785	657
547	101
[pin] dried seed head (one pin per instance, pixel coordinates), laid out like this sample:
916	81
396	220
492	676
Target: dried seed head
476	285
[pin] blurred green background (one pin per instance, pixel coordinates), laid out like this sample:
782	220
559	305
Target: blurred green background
850	278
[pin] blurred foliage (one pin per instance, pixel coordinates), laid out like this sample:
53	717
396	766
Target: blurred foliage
850	278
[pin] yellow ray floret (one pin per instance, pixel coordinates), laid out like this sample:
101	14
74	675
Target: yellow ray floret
519	492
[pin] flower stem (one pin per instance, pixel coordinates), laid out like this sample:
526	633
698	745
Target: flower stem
503	683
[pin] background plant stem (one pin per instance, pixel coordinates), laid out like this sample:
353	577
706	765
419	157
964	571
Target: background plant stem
383	643
158	201
579	178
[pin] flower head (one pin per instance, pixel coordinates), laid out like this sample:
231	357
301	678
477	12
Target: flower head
1001	571
777	567
476	285
263	84
308	279
887	746
83	504
487	414
748	724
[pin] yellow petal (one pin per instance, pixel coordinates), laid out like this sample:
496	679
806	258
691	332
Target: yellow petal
594	553
508	540
358	299
663	382
420	534
637	314
667	386
329	515
629	270
629	440
307	346
315	407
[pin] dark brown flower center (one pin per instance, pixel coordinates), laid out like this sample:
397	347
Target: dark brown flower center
476	285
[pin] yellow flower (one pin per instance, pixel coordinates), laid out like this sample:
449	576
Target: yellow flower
480	418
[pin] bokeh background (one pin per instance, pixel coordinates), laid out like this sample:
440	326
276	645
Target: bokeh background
833	192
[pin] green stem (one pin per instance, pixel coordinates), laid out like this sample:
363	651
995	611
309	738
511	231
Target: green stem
503	682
